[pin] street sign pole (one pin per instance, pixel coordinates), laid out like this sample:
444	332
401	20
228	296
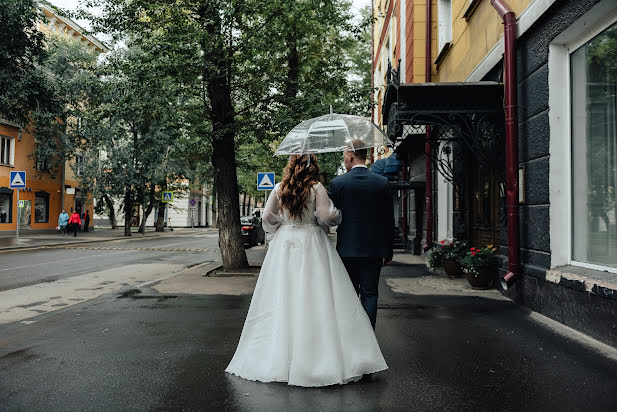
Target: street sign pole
17	227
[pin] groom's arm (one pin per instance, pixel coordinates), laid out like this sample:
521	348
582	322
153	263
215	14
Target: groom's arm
333	193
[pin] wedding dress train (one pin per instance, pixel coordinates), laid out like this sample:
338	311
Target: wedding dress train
305	325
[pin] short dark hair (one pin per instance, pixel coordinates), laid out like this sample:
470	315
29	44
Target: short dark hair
359	153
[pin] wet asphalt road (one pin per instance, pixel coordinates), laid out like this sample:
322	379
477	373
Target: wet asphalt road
150	352
29	267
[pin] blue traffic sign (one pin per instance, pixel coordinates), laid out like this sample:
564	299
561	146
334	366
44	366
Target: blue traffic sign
265	181
17	180
167	197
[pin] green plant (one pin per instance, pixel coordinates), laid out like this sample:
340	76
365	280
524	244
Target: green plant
433	259
477	258
445	251
454	250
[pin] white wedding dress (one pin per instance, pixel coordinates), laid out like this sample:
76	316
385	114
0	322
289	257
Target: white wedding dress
305	325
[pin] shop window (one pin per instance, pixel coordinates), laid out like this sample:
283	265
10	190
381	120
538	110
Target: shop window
6	200
41	207
6	150
594	150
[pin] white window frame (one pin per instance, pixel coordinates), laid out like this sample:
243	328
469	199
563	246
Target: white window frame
444	24
11	140
598	19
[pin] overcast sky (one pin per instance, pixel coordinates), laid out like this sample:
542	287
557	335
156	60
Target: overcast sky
73	4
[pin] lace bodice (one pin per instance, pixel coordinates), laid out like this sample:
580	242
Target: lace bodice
319	211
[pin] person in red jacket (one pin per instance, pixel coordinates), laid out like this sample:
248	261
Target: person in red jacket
75	222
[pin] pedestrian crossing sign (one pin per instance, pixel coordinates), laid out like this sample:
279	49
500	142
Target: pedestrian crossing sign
168	197
265	181
17	180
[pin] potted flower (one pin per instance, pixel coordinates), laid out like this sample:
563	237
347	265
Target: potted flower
433	259
451	255
480	266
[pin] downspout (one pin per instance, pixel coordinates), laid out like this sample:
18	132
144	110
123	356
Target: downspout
427	145
509	21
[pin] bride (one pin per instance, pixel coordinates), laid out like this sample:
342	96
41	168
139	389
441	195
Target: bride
305	325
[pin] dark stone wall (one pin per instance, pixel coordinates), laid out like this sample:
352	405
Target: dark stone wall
534	132
570	305
594	314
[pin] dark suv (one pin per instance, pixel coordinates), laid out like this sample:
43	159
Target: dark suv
252	232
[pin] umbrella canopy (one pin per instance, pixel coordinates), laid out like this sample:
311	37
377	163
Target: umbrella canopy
332	133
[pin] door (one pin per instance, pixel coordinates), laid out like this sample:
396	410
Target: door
25	214
484	207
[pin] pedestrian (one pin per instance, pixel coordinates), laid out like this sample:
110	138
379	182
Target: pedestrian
63	220
86	218
305	325
75	222
365	236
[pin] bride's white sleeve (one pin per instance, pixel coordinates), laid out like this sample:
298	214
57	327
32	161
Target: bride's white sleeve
325	212
272	218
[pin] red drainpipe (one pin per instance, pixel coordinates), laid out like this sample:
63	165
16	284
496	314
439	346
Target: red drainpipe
509	21
404	195
427	145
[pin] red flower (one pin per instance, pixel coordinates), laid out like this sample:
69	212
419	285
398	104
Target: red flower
473	248
442	242
473	253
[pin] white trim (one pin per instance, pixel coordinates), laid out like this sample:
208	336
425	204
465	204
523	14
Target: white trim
601	16
594	267
560	185
403	45
525	20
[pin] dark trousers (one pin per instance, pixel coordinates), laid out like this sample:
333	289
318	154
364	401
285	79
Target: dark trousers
75	228
364	274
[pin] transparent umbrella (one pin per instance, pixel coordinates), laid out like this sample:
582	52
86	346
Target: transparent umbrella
332	133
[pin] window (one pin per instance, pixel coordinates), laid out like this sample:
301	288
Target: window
79	164
593	82
6	200
444	21
6	151
41	207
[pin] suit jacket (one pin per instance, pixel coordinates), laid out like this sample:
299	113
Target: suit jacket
365	202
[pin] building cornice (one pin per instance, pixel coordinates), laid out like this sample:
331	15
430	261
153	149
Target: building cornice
74	26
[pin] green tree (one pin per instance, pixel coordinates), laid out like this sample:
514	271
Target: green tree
247	71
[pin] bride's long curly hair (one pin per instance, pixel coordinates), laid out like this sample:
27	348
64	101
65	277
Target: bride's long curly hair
298	178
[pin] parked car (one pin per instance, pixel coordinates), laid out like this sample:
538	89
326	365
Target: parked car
252	231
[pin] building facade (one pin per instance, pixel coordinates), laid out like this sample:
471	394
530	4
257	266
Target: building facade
563	249
46	193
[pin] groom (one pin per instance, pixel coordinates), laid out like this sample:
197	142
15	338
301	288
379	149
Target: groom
364	237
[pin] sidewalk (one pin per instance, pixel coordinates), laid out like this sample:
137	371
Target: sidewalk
32	240
165	346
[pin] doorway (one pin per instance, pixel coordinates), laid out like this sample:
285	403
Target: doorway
484	207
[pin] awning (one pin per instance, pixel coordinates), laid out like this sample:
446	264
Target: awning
469	117
438	104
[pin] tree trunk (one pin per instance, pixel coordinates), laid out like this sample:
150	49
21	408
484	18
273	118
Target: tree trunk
243	204
128	212
159	226
142	227
112	212
223	145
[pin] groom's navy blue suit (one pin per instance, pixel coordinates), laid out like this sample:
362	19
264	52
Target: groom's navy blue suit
365	236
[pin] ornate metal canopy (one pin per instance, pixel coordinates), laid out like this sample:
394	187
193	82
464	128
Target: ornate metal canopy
462	118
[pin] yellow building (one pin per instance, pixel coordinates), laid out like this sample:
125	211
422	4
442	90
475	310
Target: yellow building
43	197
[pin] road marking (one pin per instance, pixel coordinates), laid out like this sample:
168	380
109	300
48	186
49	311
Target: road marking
62	261
164	249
